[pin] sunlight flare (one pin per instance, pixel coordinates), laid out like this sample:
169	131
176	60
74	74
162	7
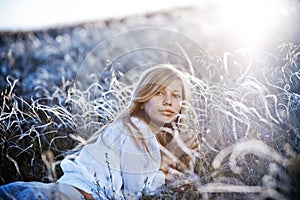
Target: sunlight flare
252	22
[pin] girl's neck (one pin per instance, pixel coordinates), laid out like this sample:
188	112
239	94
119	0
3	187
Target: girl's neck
142	116
154	129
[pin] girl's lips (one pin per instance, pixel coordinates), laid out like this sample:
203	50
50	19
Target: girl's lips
167	111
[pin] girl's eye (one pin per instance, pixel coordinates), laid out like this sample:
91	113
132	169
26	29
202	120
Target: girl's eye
177	96
159	93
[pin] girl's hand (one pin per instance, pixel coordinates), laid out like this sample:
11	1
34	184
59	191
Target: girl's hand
182	143
190	141
173	175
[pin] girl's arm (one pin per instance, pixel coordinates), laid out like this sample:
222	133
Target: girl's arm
140	165
105	163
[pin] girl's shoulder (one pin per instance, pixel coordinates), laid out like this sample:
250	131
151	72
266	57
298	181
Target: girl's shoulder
114	132
119	130
141	126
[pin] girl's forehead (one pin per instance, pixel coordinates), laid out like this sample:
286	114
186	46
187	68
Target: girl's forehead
173	85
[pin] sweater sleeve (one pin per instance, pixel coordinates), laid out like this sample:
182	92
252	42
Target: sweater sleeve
106	153
140	166
115	166
96	170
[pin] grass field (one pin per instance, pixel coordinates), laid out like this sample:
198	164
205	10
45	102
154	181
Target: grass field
60	85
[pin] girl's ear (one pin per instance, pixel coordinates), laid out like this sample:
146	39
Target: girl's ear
142	107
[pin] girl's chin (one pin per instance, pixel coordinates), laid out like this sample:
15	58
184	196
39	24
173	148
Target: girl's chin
162	122
166	123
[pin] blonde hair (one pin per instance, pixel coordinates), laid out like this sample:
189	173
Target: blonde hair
150	82
155	79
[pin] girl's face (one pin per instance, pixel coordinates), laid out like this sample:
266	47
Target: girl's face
165	105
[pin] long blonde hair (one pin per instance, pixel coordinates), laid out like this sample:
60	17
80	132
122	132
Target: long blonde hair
150	82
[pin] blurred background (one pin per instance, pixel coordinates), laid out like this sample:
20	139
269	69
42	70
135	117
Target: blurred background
34	14
246	51
253	24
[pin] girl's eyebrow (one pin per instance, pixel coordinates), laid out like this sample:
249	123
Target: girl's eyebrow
177	90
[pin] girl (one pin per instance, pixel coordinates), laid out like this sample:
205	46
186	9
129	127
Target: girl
126	159
142	148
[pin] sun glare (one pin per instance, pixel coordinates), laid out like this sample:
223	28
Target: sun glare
254	22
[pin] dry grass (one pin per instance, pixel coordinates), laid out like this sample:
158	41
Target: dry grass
249	132
246	110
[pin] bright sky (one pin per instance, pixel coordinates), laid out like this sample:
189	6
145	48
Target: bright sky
250	22
27	14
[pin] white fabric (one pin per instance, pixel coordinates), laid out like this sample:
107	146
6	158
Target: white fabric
120	168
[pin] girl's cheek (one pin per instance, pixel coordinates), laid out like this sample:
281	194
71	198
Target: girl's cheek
180	103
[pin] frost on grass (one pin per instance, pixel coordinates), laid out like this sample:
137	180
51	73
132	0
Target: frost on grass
248	125
28	129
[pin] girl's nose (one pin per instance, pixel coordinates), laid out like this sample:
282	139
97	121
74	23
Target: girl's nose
167	101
